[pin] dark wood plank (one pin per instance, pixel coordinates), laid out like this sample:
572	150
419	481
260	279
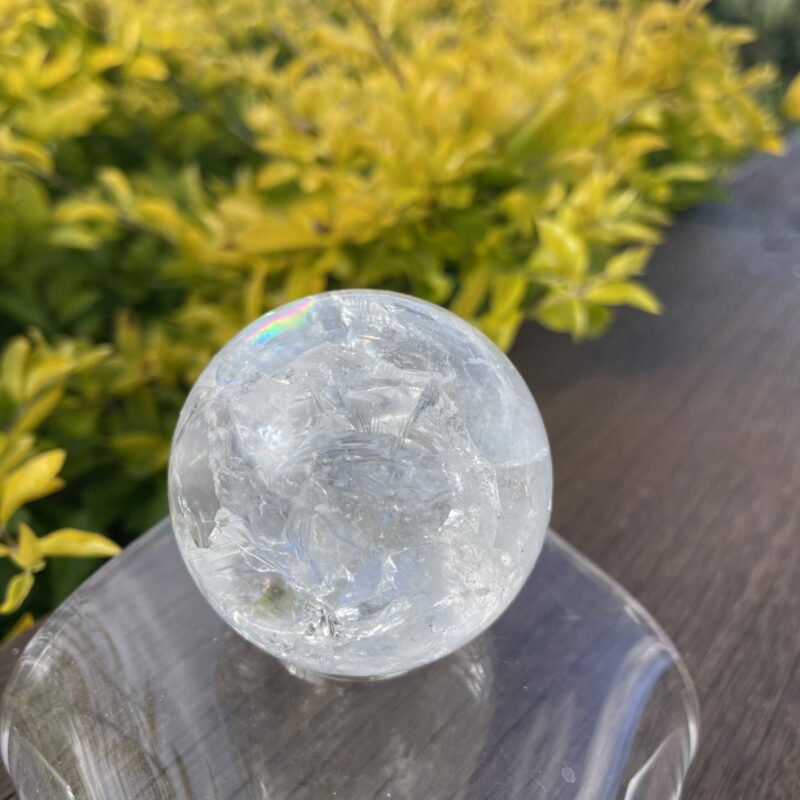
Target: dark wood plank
677	452
9	654
676	444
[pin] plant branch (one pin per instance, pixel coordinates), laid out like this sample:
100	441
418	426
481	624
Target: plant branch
5	536
65	186
380	44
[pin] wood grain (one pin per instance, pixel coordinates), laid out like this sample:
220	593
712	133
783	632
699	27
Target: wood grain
9	654
676	443
677	455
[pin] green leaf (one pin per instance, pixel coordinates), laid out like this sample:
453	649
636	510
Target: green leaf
143	452
64	575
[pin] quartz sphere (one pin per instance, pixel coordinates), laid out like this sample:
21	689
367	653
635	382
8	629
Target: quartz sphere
360	483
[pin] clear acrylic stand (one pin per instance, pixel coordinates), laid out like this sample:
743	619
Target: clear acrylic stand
136	689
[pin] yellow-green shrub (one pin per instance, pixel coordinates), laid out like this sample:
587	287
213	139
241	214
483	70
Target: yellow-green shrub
33	381
168	171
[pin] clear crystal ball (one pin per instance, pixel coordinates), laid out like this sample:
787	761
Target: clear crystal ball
360	483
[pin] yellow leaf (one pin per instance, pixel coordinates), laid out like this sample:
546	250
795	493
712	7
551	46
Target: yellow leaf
45	371
106	57
773	145
624	293
19	587
472	293
629	262
74	210
254	292
67	115
525	140
26	150
791	100
12	368
625	231
160	213
149	67
502	329
276	235
45	17
27	555
93	357
276	173
685	171
117	185
77	543
639	144
35	412
24	623
75	237
34	479
518	206
739	35
303	282
508	292
16	448
568	249
56	70
563	313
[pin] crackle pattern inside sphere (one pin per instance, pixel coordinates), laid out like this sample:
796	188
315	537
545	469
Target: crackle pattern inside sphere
360	483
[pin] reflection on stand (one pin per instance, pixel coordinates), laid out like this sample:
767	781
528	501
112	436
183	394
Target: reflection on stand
136	690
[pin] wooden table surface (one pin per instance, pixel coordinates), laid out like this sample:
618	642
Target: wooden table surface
676	443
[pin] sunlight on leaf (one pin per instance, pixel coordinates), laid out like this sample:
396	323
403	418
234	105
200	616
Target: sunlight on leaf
18	589
791	100
624	293
34	479
77	543
28	554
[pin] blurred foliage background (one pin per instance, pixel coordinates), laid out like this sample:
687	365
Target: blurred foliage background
776	25
169	171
